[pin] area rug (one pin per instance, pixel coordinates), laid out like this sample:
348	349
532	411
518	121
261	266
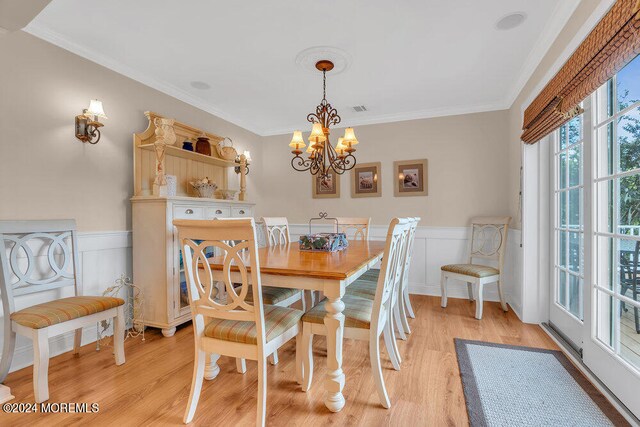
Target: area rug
507	385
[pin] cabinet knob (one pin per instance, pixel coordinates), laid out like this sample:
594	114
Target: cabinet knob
218	212
189	211
241	211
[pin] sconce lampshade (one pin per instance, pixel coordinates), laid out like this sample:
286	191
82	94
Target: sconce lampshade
350	137
317	135
297	143
95	109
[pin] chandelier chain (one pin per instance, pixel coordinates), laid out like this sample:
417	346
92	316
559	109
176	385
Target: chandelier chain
324	84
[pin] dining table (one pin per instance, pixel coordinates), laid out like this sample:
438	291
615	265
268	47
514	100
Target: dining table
288	266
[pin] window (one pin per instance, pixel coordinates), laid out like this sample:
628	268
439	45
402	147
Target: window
568	224
617	212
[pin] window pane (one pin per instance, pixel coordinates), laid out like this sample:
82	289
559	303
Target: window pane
575	196
629	267
562	248
563	209
575	166
562	171
562	288
563	137
605	274
628	128
628	86
575	130
629	200
575	295
575	251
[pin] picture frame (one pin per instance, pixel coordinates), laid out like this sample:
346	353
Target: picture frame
412	178
327	188
366	180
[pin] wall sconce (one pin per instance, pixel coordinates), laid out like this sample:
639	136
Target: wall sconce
87	124
247	154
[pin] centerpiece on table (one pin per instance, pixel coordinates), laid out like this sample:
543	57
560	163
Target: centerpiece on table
323	242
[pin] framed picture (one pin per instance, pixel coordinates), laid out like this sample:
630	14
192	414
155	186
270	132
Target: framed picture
411	178
326	187
366	180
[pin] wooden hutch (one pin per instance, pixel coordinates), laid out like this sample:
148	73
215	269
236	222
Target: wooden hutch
157	262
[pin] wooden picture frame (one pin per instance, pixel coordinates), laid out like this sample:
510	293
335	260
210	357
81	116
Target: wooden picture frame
412	178
327	188
366	180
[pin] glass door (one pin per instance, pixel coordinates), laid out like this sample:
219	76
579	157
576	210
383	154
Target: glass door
566	312
613	350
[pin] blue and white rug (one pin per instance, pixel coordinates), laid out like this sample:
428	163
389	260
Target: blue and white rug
508	385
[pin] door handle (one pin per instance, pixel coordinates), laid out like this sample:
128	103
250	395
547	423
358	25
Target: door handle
189	211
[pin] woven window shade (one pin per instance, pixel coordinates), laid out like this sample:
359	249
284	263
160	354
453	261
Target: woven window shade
610	45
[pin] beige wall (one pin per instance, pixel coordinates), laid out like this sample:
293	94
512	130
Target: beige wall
467	172
45	172
531	89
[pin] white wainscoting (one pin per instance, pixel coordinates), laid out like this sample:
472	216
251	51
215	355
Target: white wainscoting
437	246
103	257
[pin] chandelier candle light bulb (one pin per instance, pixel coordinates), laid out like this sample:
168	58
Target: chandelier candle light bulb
322	156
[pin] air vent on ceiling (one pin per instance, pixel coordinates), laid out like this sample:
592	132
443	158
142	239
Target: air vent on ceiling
359	108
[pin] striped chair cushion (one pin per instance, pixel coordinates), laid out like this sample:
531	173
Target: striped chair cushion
277	320
363	288
474	270
62	310
357	312
272	295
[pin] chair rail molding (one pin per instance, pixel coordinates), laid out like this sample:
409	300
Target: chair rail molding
103	257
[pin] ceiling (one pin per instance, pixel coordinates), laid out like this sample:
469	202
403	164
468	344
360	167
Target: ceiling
407	59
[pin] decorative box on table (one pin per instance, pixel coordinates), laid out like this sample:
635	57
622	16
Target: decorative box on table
323	242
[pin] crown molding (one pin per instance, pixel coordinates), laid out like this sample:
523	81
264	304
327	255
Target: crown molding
401	117
561	14
48	35
559	17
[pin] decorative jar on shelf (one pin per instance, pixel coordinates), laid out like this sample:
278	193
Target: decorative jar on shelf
203	146
187	145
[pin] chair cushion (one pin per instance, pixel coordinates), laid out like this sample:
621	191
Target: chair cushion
371	274
474	270
357	312
272	295
277	320
62	310
363	288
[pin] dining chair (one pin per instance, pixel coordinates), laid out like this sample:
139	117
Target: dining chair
365	286
364	319
241	327
38	256
358	226
488	243
277	234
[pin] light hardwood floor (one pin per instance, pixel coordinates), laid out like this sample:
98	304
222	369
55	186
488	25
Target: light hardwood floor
152	387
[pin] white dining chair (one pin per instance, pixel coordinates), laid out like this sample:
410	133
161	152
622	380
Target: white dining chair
364	319
488	243
366	285
37	256
240	327
355	228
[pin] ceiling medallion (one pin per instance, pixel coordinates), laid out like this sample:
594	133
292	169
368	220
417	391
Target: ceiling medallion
322	156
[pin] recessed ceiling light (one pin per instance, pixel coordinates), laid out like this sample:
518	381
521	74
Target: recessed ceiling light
200	85
511	21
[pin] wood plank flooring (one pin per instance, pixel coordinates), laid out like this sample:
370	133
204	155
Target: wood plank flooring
152	387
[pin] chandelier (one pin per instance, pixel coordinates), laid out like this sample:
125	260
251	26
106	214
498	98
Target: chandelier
322	157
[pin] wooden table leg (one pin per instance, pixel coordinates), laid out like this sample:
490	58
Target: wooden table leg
334	322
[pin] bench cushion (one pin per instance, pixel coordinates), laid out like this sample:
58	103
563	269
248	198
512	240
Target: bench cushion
62	310
277	320
474	270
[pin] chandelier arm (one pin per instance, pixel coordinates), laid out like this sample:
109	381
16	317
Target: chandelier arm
303	165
